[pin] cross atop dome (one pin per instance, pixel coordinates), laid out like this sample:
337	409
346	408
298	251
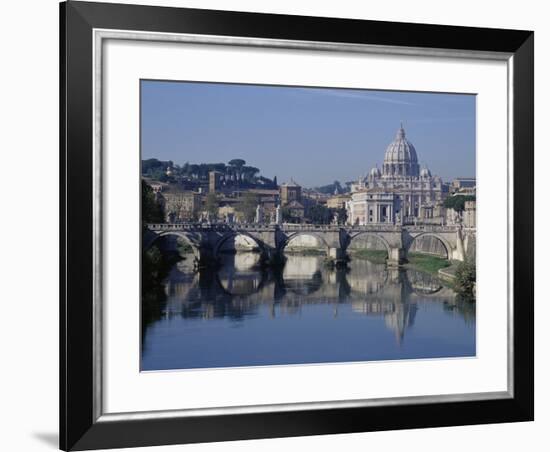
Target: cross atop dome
401	131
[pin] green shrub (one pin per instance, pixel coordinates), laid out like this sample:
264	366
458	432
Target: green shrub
465	278
457	202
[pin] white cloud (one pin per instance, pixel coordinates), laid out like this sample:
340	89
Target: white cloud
350	94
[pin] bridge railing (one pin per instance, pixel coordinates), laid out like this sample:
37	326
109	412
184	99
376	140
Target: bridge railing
290	227
240	227
293	227
285	227
374	228
189	227
430	228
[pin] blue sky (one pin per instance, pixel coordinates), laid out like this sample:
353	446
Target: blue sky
314	135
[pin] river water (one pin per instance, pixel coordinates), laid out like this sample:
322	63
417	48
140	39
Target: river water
243	315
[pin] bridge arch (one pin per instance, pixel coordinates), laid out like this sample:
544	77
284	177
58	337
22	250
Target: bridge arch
321	240
421	283
239	283
373	284
370	234
441	239
177	234
233	235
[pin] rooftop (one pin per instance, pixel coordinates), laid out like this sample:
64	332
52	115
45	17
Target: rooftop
292	183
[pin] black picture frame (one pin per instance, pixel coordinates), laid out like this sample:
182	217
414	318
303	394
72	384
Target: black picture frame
80	427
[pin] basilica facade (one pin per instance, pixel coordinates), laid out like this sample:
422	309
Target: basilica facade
401	193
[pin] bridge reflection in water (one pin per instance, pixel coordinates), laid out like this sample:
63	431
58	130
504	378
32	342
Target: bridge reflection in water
243	314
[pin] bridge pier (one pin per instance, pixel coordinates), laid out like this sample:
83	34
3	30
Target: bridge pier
272	256
459	251
396	257
204	257
337	256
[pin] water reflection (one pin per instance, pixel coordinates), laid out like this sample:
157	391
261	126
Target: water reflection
244	293
239	273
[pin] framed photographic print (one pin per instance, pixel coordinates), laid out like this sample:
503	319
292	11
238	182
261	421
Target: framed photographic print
282	225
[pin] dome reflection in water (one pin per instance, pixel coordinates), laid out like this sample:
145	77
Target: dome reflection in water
243	314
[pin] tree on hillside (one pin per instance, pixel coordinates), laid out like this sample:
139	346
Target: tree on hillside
286	214
319	214
247	206
457	202
149	164
342	214
194	170
249	172
330	189
151	209
154	168
237	163
264	181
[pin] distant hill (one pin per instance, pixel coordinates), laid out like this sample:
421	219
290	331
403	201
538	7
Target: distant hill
234	173
331	189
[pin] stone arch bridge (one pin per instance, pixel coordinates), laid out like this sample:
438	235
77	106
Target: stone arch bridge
208	240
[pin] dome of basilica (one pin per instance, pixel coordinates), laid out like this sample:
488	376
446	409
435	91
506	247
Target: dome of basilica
400	158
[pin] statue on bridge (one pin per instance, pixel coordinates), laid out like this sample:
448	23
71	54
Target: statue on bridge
259	217
278	215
